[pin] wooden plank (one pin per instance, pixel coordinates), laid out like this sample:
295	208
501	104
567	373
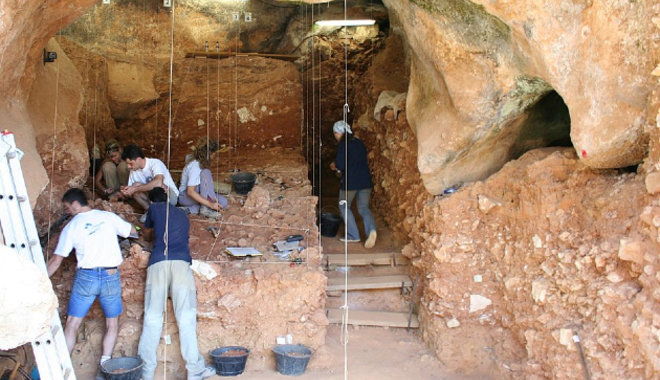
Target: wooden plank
355	259
372	282
373	318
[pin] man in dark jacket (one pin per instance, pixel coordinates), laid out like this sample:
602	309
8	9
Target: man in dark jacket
351	160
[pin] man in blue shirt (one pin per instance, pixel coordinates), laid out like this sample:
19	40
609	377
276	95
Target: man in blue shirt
169	269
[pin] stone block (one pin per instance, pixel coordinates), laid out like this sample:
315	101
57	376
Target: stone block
630	250
652	182
478	302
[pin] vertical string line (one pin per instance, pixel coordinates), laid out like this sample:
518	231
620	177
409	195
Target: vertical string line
94	168
320	163
169	141
52	159
346	205
238	36
217	112
313	91
208	120
304	77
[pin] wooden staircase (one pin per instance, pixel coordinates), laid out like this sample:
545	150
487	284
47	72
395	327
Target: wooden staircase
379	279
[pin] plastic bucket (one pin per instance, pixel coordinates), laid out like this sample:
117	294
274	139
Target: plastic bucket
329	224
243	182
123	368
292	359
230	360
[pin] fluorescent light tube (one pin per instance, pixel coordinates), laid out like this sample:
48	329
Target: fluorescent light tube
345	22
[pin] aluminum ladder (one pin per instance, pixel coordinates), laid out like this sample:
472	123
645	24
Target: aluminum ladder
20	234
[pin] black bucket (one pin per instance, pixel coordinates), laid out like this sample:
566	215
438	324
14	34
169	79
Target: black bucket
123	368
243	182
229	365
329	224
292	359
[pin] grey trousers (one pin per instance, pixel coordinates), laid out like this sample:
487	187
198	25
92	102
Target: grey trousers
175	277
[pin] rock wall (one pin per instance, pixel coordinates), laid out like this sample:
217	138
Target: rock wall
472	89
95	115
54	105
28	300
509	269
243	102
24	32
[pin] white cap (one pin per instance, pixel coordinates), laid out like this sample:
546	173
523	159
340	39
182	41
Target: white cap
341	127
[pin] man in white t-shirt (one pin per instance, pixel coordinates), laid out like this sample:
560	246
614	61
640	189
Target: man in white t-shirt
146	173
93	234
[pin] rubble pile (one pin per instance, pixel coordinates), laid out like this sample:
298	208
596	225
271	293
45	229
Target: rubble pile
544	250
398	187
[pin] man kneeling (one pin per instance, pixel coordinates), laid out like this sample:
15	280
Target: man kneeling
170	271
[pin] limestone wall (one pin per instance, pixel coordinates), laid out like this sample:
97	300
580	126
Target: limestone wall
477	69
510	268
54	104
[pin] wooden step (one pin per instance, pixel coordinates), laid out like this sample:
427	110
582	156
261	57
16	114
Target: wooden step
373	282
356	259
373	318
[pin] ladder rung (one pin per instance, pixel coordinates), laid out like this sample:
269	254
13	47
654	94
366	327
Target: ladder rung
21	198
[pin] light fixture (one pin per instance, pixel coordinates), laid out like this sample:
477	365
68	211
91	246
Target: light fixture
362	22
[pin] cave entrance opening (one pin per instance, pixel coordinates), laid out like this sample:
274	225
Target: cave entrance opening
546	123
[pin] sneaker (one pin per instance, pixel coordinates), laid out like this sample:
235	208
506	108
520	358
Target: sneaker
349	240
371	240
208	213
203	374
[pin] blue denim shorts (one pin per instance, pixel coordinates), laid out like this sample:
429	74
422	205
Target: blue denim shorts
91	283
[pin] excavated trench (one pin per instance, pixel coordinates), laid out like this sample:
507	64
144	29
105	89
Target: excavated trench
513	150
